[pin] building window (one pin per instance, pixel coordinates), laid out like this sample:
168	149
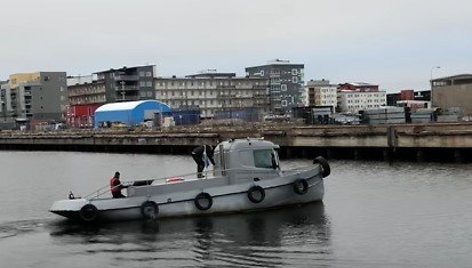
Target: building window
149	83
283	103
283	87
294	71
141	74
294	79
148	74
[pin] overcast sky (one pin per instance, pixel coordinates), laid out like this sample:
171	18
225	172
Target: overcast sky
393	43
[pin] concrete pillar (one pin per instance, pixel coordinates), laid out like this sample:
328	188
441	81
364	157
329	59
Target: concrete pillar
356	154
419	155
457	156
288	151
329	153
303	152
387	156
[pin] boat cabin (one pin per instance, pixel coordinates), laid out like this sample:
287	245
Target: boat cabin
251	159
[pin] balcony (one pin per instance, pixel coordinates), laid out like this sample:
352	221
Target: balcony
126	88
120	97
226	86
125	77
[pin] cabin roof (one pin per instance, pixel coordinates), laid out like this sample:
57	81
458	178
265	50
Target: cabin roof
237	144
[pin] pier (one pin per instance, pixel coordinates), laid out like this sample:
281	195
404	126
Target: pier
446	142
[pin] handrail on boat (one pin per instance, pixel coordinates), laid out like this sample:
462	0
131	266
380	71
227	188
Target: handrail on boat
105	189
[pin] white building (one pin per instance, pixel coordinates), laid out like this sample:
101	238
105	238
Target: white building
354	101
321	93
214	92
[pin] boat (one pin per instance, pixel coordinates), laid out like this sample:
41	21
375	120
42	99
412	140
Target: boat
247	176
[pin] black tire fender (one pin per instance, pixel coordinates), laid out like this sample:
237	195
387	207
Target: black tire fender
300	186
256	194
149	210
325	168
203	201
88	213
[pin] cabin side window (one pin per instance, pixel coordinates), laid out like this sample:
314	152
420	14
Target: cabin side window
263	158
246	158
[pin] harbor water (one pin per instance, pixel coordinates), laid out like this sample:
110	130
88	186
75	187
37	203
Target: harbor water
374	214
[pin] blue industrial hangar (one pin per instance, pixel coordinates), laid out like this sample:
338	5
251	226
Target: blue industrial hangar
130	113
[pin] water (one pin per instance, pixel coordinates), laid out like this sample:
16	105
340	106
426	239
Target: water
373	215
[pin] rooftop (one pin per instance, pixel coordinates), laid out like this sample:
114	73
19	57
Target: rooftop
455	77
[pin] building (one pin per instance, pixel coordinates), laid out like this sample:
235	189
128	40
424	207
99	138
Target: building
34	98
6	121
130	113
87	93
415	100
358	86
286	84
354	97
407	95
128	83
214	92
453	91
322	93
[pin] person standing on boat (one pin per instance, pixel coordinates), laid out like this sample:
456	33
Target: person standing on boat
116	186
201	155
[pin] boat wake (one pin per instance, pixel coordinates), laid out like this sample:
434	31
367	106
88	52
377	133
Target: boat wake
22	227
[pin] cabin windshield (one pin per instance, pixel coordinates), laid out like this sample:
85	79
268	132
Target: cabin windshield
265	159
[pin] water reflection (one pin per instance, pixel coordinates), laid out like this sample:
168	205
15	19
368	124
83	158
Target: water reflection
265	238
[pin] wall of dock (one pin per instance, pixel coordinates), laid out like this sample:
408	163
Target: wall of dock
403	142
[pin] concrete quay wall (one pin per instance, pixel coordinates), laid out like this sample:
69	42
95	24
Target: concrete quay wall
415	141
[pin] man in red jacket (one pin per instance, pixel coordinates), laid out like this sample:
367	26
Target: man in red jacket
116	186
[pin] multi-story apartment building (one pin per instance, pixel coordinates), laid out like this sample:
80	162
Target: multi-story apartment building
34	98
214	92
286	83
453	91
87	93
353	97
4	101
322	93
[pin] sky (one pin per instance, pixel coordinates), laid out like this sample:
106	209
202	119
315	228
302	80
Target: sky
393	43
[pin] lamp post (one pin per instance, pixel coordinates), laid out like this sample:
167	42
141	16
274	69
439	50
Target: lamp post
431	81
